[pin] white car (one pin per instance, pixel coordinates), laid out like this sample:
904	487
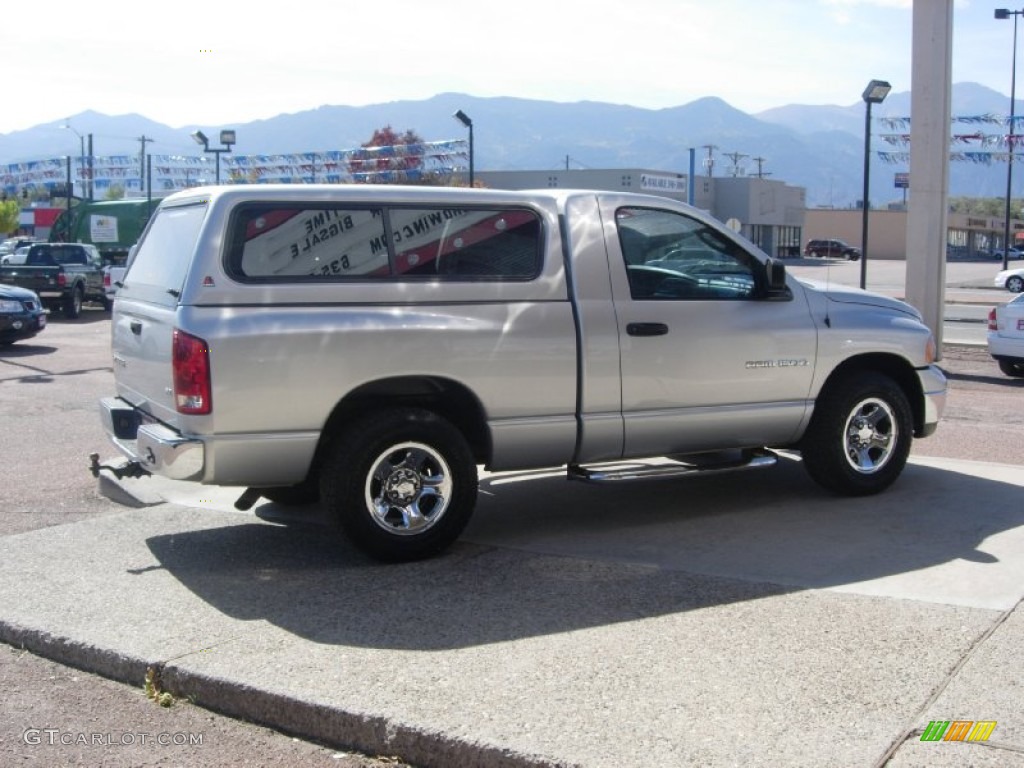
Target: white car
1010	279
15	259
1006	336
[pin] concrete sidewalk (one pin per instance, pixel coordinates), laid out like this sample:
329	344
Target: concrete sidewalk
734	620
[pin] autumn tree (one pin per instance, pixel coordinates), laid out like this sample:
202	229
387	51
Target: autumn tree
376	160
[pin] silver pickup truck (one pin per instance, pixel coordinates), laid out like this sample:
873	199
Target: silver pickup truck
371	346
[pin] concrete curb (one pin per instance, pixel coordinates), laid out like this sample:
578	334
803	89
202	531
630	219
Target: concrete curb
330	726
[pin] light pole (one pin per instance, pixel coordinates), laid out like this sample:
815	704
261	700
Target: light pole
875	93
463	118
1003	13
227	138
81	156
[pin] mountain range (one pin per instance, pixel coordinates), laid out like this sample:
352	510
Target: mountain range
820	148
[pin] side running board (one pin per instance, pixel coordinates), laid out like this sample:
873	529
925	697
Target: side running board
727	461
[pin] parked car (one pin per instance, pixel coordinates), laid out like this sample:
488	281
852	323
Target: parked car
833	249
21	314
16	258
1010	279
11	245
1006	336
1014	253
371	345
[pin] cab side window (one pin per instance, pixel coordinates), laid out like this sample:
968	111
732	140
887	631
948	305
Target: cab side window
670	256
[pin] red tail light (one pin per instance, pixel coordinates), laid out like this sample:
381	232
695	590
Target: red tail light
992	326
62	279
106	279
191	374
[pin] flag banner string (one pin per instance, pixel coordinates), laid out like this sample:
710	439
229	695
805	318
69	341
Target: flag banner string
383	165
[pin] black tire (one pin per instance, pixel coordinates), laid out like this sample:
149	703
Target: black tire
107	303
1015	283
373	482
73	303
853	461
1013	368
296	495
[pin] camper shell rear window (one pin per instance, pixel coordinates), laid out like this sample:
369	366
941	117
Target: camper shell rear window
316	242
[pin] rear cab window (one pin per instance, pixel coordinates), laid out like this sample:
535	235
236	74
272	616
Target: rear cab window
284	242
157	271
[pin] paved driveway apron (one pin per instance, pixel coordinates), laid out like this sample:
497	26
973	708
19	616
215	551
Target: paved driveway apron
737	620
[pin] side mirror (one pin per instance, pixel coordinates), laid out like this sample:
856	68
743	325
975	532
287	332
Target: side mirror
775	279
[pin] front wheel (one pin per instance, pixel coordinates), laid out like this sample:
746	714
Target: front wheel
1015	283
859	437
402	484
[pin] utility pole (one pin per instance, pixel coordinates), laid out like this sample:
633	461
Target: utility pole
92	167
735	157
709	163
760	167
142	162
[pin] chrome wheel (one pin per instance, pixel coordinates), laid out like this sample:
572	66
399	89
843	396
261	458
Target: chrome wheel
860	433
401	482
871	432
408	489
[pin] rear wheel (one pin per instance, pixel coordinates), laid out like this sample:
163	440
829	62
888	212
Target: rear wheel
73	303
1013	368
859	437
1015	283
402	483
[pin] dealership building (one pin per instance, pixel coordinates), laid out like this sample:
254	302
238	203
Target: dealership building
770	213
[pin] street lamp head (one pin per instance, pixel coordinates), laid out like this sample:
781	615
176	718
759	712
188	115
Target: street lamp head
876	92
200	138
1002	13
463	118
227	137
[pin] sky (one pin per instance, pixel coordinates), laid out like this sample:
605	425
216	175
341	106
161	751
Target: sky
228	62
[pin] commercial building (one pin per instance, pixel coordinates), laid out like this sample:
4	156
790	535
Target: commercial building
969	236
770	213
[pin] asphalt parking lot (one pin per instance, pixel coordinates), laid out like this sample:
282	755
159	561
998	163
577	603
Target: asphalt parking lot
704	622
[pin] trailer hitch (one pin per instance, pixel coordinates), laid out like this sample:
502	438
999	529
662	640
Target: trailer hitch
120	471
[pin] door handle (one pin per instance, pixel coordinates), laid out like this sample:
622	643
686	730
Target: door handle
136	327
646	329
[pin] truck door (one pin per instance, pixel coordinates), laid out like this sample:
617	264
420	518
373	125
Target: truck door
708	359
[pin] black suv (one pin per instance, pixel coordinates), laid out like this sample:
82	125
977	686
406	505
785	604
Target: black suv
831	249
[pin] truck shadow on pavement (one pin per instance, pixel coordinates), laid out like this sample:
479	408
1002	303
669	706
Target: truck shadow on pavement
546	556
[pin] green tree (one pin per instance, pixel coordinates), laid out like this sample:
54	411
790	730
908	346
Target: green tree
9	210
985	206
114	192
